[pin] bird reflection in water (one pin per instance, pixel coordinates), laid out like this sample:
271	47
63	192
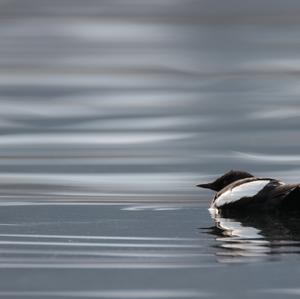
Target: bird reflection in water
258	236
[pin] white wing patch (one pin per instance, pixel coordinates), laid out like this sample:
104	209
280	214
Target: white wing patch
244	190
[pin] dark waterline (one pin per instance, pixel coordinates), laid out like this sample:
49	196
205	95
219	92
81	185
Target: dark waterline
111	113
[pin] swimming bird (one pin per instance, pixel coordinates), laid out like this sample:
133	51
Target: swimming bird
241	190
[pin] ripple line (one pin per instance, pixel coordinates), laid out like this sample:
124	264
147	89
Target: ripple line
152	293
94	265
97	237
87	244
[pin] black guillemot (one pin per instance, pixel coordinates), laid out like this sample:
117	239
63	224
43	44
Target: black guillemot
242	190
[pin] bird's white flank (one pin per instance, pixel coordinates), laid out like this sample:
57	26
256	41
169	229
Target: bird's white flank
248	189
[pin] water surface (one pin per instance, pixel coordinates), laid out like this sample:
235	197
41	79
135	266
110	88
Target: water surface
111	112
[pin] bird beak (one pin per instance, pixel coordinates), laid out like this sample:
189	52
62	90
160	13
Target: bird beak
206	186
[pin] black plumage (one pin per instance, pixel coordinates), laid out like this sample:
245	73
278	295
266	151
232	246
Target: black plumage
242	190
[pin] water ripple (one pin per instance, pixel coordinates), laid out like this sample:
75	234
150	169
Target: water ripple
144	293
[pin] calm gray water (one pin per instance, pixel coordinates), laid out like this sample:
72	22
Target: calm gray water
111	112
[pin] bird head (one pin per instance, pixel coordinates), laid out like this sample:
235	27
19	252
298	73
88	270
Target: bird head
226	179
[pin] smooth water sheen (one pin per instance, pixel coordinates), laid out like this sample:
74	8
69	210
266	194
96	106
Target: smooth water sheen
111	113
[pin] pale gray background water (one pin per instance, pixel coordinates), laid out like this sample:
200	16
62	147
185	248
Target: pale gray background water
110	113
